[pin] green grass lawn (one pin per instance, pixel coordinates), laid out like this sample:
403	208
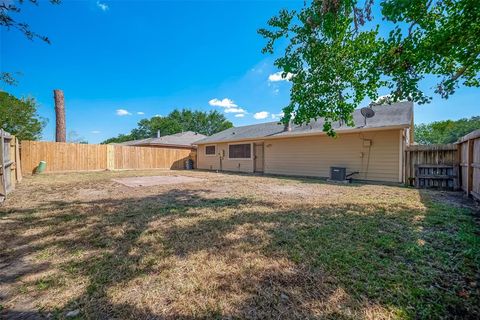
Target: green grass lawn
235	246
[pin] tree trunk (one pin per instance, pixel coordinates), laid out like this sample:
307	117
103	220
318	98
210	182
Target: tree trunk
61	132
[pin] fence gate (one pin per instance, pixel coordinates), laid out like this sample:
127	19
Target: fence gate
9	169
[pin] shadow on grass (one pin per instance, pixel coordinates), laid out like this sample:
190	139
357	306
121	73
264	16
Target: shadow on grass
246	258
307	179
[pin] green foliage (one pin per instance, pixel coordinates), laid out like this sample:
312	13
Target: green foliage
118	139
10	8
206	123
448	131
336	56
19	117
8	78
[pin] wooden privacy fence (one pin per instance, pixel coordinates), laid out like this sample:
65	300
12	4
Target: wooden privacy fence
469	154
64	157
432	166
10	169
447	166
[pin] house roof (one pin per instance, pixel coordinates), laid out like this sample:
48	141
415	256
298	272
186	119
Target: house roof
182	139
386	116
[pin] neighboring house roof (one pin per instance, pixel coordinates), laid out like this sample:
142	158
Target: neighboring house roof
386	116
182	139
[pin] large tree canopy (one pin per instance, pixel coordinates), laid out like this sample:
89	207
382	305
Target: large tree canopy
447	131
19	117
206	123
336	55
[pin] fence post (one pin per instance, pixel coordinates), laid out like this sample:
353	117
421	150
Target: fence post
18	162
469	166
13	167
3	182
110	157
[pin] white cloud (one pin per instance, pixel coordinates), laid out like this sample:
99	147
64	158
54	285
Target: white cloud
234	110
158	115
225	103
228	105
239	115
95	131
102	6
277	115
122	112
277	76
261	115
140	113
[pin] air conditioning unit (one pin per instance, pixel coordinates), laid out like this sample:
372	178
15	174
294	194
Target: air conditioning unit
338	174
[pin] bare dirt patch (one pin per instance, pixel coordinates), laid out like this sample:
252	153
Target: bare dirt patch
155	181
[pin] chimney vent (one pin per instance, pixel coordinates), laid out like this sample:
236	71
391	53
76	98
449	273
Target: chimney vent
158	134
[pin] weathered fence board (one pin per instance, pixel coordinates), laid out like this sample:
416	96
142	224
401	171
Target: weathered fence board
446	166
64	157
432	166
469	149
10	169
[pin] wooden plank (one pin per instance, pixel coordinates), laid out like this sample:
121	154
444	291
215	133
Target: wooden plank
432	176
63	157
3	183
432	147
13	168
471	136
434	166
18	162
469	168
476	168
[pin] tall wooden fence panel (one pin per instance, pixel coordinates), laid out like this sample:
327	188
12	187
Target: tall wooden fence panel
61	156
150	158
64	157
10	168
432	166
469	149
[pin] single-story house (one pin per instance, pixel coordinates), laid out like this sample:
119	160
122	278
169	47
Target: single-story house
185	140
374	147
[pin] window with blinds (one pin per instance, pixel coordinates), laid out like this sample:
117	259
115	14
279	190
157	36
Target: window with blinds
240	151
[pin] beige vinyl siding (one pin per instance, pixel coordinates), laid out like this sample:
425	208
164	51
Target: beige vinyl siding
313	156
208	162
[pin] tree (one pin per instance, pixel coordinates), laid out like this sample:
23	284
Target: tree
448	131
8	9
206	123
19	117
336	55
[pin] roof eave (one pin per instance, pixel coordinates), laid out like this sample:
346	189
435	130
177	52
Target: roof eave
307	134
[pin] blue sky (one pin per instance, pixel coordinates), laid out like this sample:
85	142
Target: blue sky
121	61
